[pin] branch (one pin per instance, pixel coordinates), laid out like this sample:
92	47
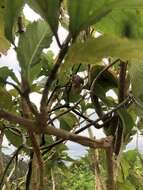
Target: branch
122	82
106	118
29	173
53	73
14	86
29	103
121	97
110	169
68	110
32	126
85	141
39	158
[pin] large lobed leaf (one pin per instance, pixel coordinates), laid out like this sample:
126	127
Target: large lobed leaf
5	72
6	99
31	43
136	76
4	44
127	121
48	9
124	23
95	49
84	13
67	121
12	11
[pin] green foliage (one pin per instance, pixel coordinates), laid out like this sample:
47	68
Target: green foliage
84	13
6	99
67	121
127	121
12	11
4	44
130	173
30	46
135	71
13	137
104	46
5	72
123	23
104	83
66	82
79	176
49	10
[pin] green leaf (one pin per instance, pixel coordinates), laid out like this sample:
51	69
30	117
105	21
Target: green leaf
123	171
5	72
6	99
136	76
124	23
127	120
46	61
2	9
4	44
131	156
126	185
31	43
35	71
13	137
94	49
66	70
67	121
108	79
12	11
84	13
48	140
49	10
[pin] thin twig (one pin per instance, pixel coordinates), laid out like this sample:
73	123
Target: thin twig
106	118
25	96
14	86
67	111
53	73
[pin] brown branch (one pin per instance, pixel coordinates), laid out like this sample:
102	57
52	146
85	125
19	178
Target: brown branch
106	118
53	73
27	123
67	111
25	96
29	103
85	141
121	97
122	82
30	125
39	158
110	169
27	108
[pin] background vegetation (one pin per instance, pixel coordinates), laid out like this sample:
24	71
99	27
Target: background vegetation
70	84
